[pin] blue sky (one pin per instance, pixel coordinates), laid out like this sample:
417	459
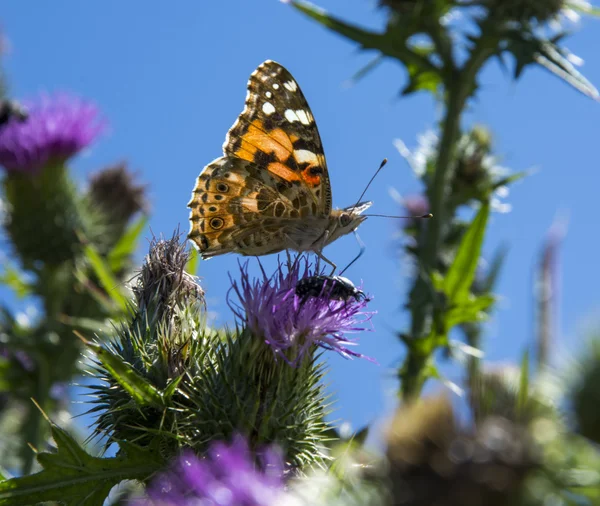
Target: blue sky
171	81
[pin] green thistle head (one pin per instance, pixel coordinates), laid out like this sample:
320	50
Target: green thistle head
172	382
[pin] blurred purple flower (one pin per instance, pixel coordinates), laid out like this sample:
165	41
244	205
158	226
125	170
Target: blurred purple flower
228	476
57	127
22	358
270	309
416	205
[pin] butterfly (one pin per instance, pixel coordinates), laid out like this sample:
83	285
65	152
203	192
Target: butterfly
270	191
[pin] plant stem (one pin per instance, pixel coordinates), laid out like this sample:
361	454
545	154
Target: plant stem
34	432
460	86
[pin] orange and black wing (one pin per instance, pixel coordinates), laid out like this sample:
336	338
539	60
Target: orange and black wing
277	131
238	207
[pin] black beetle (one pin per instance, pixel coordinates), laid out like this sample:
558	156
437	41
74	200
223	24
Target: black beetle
330	287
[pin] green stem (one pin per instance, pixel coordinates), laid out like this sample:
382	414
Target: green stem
460	86
473	336
443	45
35	428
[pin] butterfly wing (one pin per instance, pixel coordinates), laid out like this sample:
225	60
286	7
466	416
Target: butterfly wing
277	131
239	207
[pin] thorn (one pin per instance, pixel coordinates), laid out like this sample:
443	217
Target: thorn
41	411
83	339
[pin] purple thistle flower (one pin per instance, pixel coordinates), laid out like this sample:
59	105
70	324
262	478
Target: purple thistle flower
228	476
271	309
416	205
55	129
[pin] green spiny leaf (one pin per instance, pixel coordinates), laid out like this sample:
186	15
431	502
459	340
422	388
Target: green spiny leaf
527	49
367	68
393	43
461	273
171	388
130	380
126	245
471	310
554	59
510	179
437	281
73	477
582	7
192	265
105	303
106	277
368	40
420	79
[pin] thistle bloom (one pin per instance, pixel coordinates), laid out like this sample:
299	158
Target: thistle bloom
55	129
415	205
226	477
271	309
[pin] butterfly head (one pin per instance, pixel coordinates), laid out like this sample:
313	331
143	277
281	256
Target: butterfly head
344	221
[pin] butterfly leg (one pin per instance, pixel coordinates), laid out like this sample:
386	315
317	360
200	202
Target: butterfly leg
325	259
319	252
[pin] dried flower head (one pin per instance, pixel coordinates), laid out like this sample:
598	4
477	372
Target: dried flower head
56	128
290	323
115	190
163	282
228	476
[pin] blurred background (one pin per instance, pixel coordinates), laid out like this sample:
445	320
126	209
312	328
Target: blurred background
170	81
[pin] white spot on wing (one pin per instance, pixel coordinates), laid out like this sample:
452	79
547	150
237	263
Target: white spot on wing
305	156
291	116
268	108
303	117
236	178
269	94
275	86
249	204
290	85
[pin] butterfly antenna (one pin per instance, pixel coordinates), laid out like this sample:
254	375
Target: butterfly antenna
369	183
422	217
363	247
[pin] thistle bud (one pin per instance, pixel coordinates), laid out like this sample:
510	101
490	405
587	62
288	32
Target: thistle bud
164	336
524	11
114	193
